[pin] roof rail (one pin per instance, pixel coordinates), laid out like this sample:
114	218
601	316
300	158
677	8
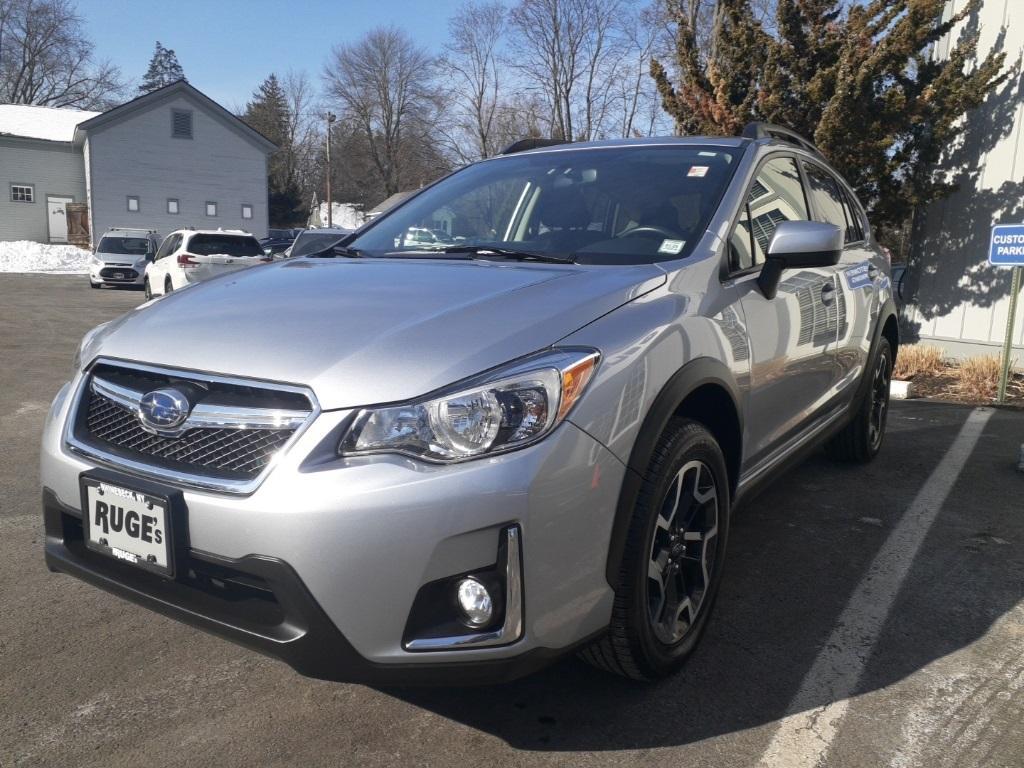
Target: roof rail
756	130
524	144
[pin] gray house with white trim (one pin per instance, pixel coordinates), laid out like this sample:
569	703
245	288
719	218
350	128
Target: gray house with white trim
955	300
169	159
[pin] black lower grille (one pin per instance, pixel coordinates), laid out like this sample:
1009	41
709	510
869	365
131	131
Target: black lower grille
240	454
119	273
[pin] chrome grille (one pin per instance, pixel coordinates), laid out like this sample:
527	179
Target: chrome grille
233	430
241	453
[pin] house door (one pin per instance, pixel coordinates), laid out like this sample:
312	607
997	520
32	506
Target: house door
57	217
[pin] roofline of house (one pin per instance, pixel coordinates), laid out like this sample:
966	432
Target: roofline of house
46	143
147	100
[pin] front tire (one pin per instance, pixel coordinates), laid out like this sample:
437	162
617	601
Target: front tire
673	558
95	286
147	290
861	439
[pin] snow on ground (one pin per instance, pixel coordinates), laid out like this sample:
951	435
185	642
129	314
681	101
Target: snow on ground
25	256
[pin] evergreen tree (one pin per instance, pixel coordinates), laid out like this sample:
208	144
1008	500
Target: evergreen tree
164	69
269	114
861	84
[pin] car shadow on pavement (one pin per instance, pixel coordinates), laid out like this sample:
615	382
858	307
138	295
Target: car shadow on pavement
797	554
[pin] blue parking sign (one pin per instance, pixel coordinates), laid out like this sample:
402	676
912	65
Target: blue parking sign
1006	249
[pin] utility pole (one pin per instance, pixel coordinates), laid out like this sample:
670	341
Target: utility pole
331	117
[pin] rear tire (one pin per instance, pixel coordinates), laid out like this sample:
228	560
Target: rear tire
672	564
168	285
861	439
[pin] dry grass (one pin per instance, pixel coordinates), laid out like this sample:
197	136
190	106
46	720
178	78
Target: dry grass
916	360
977	378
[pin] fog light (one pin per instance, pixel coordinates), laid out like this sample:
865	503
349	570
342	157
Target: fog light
475	602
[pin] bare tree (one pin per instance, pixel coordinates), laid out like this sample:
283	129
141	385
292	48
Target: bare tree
477	77
304	136
638	108
384	85
45	58
572	52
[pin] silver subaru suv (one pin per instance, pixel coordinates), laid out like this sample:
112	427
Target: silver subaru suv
398	462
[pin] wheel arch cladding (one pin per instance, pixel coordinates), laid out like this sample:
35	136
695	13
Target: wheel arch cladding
703	390
891	331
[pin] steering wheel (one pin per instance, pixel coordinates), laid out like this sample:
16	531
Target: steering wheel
648	229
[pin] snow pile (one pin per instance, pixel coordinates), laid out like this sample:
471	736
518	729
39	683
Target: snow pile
344	215
25	256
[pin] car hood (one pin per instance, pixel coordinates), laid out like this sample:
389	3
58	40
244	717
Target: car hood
367	331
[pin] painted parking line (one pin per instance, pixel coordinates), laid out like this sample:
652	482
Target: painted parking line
804	736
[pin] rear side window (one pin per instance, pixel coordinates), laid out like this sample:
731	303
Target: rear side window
854	229
224	245
775	196
829	202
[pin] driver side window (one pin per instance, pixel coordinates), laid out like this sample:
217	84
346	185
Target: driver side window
776	195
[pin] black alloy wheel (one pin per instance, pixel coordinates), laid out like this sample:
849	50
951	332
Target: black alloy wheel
682	552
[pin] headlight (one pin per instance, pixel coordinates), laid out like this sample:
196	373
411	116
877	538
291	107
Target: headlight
504	410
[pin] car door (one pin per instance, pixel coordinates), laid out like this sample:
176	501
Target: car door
792	336
856	274
157	270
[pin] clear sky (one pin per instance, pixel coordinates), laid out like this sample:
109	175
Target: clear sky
226	47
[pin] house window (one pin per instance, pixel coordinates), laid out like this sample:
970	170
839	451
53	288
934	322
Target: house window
133	203
181	123
211	208
23	193
246	211
172	205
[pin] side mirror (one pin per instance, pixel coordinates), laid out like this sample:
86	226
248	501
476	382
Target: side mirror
809	244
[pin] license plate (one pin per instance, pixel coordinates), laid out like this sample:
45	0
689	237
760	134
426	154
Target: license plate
129	525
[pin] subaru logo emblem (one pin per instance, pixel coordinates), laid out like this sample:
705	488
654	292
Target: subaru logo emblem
163	409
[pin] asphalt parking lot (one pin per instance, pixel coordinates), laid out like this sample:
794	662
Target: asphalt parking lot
869	616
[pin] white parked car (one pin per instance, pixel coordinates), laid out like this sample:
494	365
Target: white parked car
192	255
122	256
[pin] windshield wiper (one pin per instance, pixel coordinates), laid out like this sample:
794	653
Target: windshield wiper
331	251
508	253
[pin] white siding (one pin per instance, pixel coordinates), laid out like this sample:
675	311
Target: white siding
958	301
52	168
136	155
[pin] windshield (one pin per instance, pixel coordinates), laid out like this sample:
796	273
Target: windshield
131	246
224	245
312	242
617	205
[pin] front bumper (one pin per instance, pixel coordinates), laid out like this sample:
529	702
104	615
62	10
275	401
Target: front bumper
333	552
108	275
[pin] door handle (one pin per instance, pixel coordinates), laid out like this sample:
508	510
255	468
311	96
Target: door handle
828	294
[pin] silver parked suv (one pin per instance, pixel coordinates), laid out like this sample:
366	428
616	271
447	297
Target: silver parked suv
440	462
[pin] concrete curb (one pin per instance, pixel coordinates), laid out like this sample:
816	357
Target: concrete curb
901	390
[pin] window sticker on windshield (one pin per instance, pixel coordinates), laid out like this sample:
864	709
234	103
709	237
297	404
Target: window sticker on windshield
671	246
700	171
